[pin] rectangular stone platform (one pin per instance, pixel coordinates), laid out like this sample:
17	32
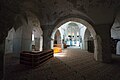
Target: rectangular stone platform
33	59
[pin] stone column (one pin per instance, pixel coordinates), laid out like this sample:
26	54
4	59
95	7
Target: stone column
103	41
37	44
26	41
46	37
22	40
41	43
85	44
2	50
17	42
46	40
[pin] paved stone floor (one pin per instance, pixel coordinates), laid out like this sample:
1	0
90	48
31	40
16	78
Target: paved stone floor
71	64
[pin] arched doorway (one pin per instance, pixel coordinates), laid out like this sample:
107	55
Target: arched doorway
37	39
73	34
57	42
115	35
9	41
89	27
20	36
36	32
57	39
88	41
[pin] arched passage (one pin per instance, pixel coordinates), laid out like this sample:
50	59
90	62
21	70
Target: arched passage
88	41
73	34
115	35
36	32
89	27
57	37
37	39
20	36
9	41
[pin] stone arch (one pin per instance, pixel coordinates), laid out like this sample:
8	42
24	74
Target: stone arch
88	41
57	37
73	30
9	41
14	36
36	30
87	34
24	25
90	28
115	37
37	39
55	33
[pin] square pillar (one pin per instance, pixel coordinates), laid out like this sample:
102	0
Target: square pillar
26	38
103	40
47	32
37	44
46	40
2	50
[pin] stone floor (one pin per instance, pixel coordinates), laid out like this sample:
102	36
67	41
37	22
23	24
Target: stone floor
71	64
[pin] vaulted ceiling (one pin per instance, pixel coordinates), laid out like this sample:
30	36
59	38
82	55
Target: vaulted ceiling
50	11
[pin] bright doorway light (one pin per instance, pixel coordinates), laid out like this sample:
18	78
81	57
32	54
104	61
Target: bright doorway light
60	55
33	37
